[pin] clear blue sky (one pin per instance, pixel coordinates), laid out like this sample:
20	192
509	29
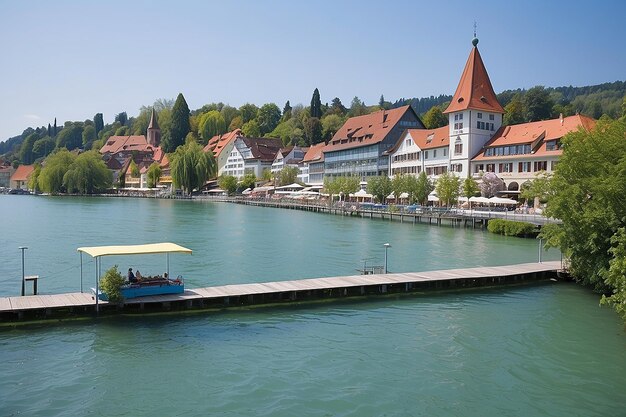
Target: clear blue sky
72	59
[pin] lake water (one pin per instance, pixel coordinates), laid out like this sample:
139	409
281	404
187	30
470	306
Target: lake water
535	350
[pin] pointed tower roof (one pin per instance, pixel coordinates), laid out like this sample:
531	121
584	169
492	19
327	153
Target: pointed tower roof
153	121
474	90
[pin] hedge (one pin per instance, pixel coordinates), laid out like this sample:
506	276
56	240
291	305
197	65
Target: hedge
512	228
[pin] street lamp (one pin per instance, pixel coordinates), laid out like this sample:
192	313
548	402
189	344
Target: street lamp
23	248
387	246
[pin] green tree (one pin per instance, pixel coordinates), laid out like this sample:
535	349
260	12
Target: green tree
288	175
227	183
330	125
423	188
434	118
179	125
398	186
287	111
89	135
331	187
470	188
380	187
33	180
316	104
98	122
587	194
268	117
43	147
51	176
382	104
236	123
248	112
134	169
538	104
229	113
211	123
357	108
515	112
537	189
27	155
313	131
87	174
349	184
251	129
248	181
336	107
154	174
448	188
122	118
190	167
71	137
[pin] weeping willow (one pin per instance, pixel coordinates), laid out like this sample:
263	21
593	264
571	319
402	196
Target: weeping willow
190	167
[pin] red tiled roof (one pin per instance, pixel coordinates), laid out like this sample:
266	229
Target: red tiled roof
219	142
117	144
474	90
431	138
315	153
22	172
527	133
366	130
264	149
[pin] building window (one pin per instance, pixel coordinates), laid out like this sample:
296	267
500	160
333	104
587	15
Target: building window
407	143
523	167
491	117
506	167
491	128
553	165
540	166
478	168
434	153
491	167
445	151
480	115
457	168
458	147
425	154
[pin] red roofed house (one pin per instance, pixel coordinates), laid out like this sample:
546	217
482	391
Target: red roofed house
312	165
421	150
474	114
6	171
359	146
251	156
517	153
222	146
20	177
289	156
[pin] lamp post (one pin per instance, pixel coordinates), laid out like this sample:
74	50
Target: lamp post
387	246
23	248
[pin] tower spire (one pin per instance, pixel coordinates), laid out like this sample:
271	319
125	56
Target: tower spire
475	40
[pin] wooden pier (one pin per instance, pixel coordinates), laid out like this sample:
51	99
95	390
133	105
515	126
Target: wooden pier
72	305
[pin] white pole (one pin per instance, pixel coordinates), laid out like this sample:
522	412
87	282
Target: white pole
387	246
81	272
540	242
97	290
22	248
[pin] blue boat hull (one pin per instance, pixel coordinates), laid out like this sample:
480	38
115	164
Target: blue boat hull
135	291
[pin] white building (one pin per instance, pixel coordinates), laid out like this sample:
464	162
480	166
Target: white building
251	156
421	150
290	156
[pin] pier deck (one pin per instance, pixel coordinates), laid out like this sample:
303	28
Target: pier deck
80	304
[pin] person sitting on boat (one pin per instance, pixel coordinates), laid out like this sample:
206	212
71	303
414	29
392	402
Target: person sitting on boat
131	276
138	276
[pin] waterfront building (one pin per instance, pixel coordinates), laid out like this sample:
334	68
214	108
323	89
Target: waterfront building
474	114
360	146
251	156
517	153
154	132
6	171
290	156
20	177
222	146
312	165
421	150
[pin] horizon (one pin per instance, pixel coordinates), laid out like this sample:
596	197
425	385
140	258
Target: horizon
59	63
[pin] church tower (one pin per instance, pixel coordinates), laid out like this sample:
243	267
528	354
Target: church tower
474	114
154	132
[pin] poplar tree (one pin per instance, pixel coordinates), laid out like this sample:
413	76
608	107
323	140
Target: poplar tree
179	125
316	105
98	122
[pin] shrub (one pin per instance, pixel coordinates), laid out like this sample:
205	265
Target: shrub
512	228
110	284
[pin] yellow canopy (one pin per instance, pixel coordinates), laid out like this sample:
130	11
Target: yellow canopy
166	247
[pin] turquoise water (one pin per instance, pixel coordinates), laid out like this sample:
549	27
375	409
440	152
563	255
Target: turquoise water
542	350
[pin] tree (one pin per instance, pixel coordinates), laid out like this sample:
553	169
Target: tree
514	112
587	193
98	122
251	129
71	137
398	186
336	107
268	117
229	113
134	169
51	176
190	167
537	189
43	147
54	129
434	118
27	155
357	108
316	104
179	125
423	188
330	125
538	104
122	118
33	180
348	185
490	185
382	104
331	187
448	188
236	123
227	183
87	174
248	112
154	174
288	175
248	181
49	130
287	111
211	123
313	131
470	188
89	135
380	187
